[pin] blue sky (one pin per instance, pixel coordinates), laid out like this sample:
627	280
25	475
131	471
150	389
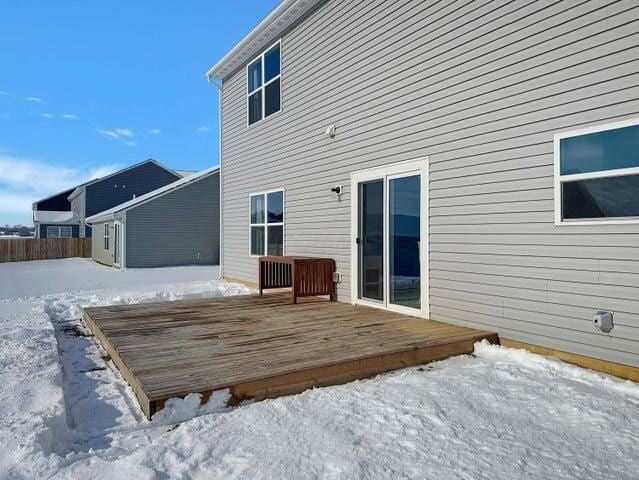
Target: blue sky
89	87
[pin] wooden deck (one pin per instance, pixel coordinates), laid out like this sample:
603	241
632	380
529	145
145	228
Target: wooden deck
263	347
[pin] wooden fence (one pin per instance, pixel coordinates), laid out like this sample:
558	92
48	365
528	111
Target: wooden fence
25	249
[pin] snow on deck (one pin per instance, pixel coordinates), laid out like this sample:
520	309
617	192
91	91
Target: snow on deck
497	414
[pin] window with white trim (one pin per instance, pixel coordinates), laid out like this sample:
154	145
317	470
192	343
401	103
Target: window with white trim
106	236
64	231
264	85
597	174
266	229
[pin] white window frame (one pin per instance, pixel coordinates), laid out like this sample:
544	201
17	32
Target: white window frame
107	237
560	179
265	224
263	86
51	228
66	227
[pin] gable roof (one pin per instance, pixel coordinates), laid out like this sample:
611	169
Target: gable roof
79	188
109	214
283	17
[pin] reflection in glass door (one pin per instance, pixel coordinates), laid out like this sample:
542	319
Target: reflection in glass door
371	240
388	236
403	241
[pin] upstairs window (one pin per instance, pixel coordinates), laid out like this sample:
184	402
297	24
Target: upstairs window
264	85
597	174
267	223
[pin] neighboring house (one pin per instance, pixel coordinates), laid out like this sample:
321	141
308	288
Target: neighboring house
485	154
178	224
50	224
52	216
103	193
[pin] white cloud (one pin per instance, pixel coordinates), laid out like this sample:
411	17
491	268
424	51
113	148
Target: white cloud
15	203
117	133
39	177
46	115
124	132
34	99
24	181
103	171
69	116
155	131
202	130
5	93
107	133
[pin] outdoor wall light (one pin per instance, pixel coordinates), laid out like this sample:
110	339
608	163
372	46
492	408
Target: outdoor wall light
330	131
338	190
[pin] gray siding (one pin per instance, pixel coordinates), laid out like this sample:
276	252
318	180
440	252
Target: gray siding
479	87
122	187
172	229
77	206
98	253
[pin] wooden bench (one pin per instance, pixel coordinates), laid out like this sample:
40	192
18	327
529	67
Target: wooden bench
305	276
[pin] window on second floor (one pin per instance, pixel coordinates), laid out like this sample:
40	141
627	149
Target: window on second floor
264	84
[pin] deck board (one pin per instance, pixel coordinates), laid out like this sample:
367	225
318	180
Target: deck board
263	346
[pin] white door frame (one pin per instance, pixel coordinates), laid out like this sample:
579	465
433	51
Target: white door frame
386	172
118	244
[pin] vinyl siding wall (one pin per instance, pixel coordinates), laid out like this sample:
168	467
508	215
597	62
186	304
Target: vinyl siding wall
98	253
77	206
172	229
480	87
120	188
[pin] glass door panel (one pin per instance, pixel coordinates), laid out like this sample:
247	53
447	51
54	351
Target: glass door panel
404	241
371	240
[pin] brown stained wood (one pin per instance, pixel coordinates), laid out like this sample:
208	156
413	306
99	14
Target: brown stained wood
611	368
263	346
305	276
27	249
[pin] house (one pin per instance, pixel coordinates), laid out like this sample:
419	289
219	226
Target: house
104	193
52	216
472	163
177	224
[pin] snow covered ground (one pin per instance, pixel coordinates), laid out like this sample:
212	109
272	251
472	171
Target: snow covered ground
497	414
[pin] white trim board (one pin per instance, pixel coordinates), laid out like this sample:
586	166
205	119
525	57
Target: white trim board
419	166
558	179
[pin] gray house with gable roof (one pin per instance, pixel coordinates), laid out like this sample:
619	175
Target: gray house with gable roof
103	193
470	162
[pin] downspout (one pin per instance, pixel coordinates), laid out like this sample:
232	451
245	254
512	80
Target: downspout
219	85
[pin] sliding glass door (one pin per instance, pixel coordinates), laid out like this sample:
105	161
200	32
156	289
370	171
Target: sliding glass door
404	276
388	237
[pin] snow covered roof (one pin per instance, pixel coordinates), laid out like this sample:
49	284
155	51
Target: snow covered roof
185	173
48	216
285	15
108	214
